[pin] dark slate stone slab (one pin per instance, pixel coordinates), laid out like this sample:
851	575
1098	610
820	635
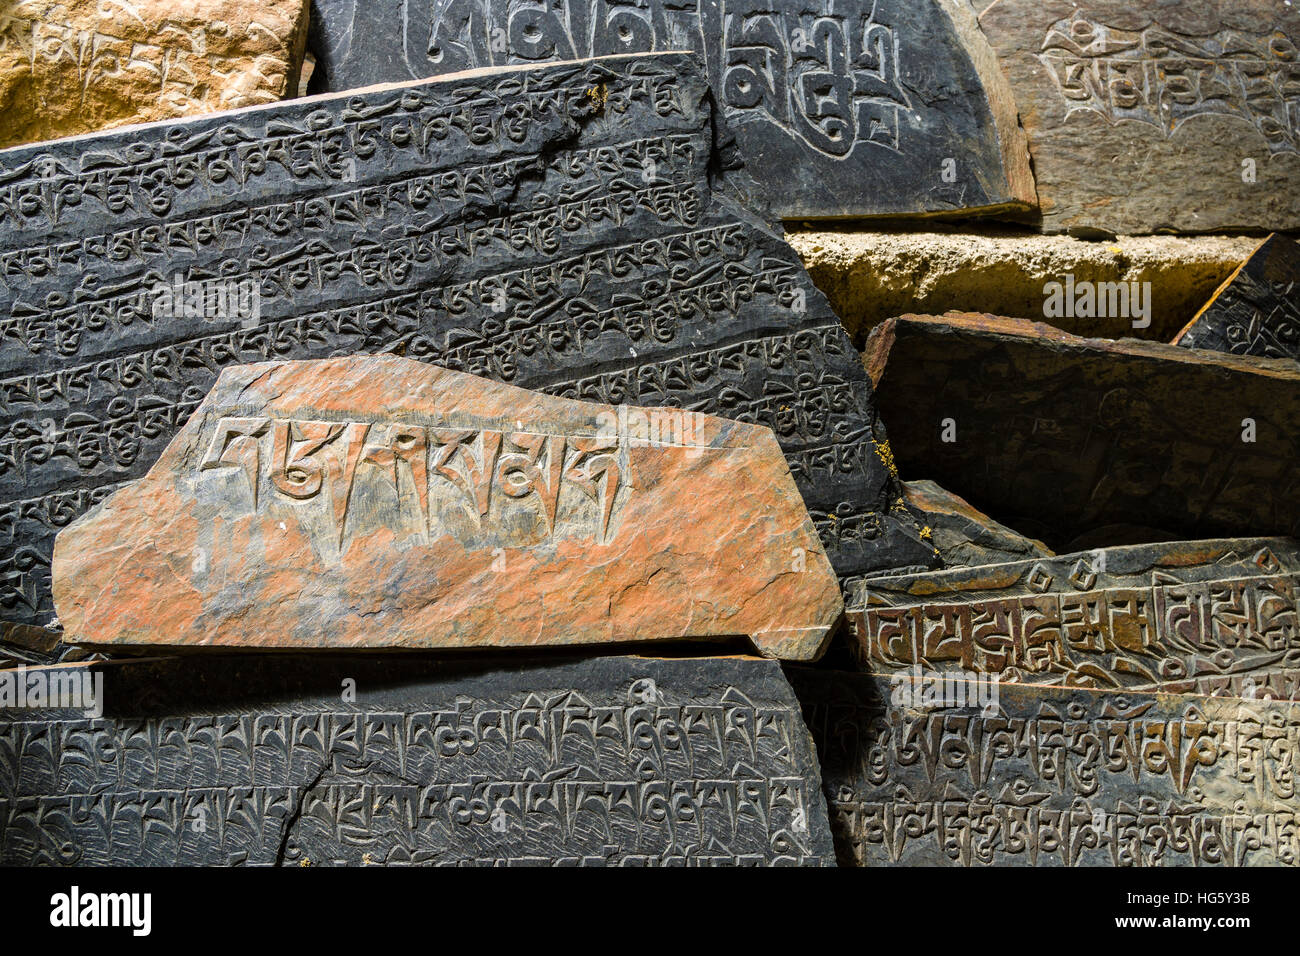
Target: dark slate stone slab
1051	776
567	228
1153	115
1058	436
616	761
1205	617
1257	311
840	107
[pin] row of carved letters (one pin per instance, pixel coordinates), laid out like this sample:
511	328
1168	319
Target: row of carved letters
970	832
143	178
301	455
351	208
1041	632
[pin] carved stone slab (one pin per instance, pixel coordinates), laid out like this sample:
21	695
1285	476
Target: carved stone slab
75	66
840	107
963	535
1206	617
1257	310
1145	115
1056	435
1052	776
615	761
377	501
555	228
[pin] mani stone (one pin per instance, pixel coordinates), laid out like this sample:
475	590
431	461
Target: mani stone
381	502
76	66
1204	617
614	761
929	772
1057	436
567	228
839	107
1154	115
963	535
1257	310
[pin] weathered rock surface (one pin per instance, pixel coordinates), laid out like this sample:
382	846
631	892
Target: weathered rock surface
1157	114
75	66
1057	436
840	108
963	535
1206	617
384	503
870	276
1257	311
569	228
919	772
627	761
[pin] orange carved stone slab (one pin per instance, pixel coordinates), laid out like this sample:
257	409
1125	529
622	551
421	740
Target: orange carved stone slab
385	503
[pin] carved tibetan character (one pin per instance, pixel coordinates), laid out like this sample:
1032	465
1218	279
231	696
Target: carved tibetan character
385	503
839	107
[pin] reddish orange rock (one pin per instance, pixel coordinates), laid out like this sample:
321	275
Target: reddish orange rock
379	502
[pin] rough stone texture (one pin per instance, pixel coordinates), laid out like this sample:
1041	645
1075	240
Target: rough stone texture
1140	115
496	223
962	534
621	761
1051	776
1057	436
1205	617
841	107
75	66
872	276
381	502
1257	311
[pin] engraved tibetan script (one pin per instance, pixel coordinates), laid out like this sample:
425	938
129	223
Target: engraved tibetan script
320	461
553	227
826	96
1163	78
611	762
825	77
1208	617
1051	776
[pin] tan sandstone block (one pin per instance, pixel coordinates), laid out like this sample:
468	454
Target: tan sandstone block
873	276
75	67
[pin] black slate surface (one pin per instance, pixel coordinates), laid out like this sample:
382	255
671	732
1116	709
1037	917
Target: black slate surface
568	228
614	761
841	107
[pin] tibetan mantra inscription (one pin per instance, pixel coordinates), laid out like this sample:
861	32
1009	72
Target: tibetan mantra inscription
1145	115
1059	436
931	772
615	761
380	502
555	228
1205	617
77	66
840	107
1257	311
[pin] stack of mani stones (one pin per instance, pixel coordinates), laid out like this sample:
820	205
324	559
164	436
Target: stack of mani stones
419	443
